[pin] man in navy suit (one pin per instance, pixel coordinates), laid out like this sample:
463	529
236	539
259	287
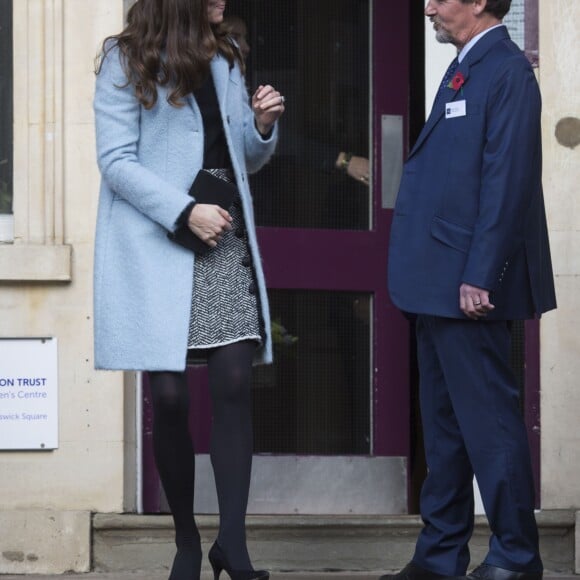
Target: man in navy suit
468	254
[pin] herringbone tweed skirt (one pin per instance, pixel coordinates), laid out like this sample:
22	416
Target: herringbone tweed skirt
224	306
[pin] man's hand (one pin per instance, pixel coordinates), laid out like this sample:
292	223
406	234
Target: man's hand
474	302
208	222
356	167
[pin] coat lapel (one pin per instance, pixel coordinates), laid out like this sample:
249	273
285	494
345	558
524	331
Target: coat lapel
448	95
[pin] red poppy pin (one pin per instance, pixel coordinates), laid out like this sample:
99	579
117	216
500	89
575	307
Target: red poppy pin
457	81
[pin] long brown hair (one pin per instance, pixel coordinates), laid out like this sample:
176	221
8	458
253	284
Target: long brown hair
169	43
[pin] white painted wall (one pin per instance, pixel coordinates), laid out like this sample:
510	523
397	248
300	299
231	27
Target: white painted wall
437	58
560	336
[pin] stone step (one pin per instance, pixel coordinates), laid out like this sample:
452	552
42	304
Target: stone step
162	575
128	543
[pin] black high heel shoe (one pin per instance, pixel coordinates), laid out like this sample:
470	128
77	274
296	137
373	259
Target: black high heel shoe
219	562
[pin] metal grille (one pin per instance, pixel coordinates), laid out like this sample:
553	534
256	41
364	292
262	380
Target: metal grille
315	398
317	55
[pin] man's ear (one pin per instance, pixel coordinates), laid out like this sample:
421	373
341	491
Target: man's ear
479	7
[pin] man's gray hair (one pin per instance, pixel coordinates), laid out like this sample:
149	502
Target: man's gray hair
499	8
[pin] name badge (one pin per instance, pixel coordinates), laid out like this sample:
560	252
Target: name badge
455	109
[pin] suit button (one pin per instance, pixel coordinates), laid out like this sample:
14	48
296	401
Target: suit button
239	233
252	288
247	261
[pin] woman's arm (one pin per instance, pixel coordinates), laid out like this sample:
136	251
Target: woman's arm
260	127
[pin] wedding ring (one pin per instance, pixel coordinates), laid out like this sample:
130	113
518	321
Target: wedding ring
477	303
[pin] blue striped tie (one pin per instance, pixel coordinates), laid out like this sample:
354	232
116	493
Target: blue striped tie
448	76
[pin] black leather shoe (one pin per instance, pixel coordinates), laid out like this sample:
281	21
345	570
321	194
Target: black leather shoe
487	572
413	572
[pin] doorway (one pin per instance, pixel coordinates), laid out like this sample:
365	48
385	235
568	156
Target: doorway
332	415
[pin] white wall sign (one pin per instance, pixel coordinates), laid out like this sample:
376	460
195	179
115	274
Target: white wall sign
28	393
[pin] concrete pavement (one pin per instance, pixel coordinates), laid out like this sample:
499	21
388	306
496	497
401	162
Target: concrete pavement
144	575
140	575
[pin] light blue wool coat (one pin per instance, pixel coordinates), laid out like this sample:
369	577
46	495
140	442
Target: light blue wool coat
148	159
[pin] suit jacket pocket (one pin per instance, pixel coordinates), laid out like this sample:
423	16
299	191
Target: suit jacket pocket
451	234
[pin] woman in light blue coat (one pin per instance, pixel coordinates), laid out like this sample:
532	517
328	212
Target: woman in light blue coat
171	107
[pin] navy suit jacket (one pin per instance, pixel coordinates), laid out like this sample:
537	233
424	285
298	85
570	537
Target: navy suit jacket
470	205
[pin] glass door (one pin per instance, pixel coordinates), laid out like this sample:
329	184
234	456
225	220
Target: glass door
332	417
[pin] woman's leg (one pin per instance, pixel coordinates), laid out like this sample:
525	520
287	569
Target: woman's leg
175	461
230	370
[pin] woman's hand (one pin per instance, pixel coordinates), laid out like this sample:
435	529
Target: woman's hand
268	106
208	222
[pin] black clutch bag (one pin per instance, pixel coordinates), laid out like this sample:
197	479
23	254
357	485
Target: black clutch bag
206	188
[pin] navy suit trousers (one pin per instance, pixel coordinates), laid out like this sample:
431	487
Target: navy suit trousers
473	424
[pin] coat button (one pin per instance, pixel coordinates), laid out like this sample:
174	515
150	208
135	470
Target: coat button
247	261
252	288
239	233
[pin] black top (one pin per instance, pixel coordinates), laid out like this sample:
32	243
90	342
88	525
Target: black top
215	147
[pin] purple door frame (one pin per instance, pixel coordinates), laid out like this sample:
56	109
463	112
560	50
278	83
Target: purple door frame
532	398
357	260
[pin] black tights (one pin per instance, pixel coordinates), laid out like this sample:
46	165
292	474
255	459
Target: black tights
231	453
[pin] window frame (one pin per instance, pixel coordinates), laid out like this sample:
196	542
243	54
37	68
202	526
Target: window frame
38	251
